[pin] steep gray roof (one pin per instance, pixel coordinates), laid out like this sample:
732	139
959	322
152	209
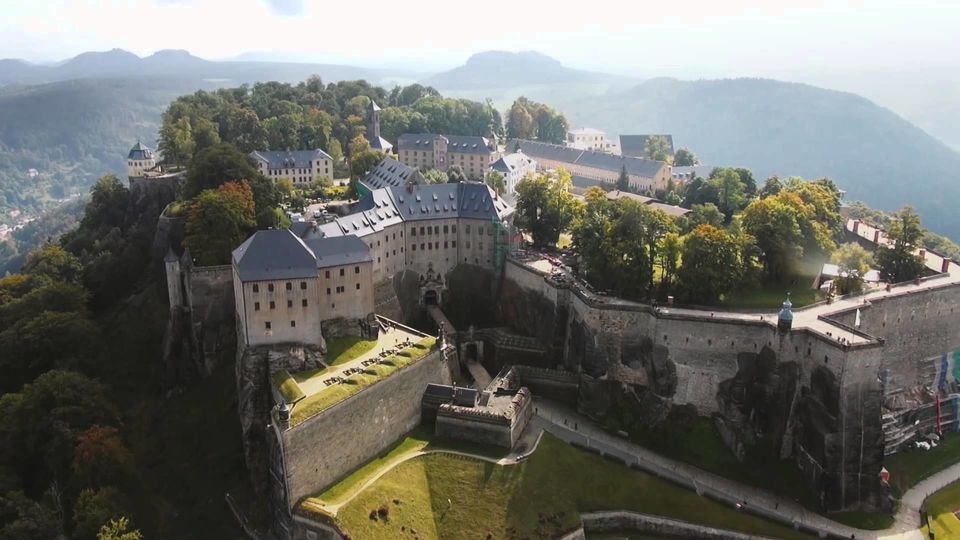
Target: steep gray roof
274	254
289	159
379	143
390	173
471	200
463	144
636	145
703	171
646	168
140	152
339	250
511	162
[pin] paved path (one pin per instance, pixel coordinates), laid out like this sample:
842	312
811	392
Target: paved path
573	427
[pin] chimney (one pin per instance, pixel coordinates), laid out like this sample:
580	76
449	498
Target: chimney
856	226
876	236
945	266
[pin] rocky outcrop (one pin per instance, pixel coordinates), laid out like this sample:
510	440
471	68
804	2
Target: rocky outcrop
254	367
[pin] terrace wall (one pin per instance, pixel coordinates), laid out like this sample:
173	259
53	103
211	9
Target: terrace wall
325	448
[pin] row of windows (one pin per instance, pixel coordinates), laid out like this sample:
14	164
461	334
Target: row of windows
435	230
268	325
342	289
289	286
273	305
436	245
356	270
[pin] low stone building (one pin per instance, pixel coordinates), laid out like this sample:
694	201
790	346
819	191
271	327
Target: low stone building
594	167
430	151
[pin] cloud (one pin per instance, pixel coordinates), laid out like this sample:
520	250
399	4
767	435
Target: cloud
287	8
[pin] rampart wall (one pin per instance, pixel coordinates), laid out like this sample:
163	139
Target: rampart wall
811	396
326	447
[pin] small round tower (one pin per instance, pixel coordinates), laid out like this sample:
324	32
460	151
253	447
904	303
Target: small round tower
785	319
139	159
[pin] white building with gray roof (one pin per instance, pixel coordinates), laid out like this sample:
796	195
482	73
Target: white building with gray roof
514	167
287	285
431	151
302	167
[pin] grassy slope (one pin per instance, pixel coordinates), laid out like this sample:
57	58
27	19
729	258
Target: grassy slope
908	468
344	349
941	507
445	496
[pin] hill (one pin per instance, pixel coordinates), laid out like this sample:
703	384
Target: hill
182	65
788	129
502	76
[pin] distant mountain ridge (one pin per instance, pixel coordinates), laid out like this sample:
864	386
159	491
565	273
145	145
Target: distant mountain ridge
182	65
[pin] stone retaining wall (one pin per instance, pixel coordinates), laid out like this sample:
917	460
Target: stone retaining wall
633	522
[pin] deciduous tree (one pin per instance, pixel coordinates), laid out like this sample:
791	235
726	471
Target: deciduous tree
684	158
712	264
853	263
545	206
899	262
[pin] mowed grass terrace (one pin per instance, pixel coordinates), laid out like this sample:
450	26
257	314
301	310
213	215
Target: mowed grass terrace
442	495
310	392
942	508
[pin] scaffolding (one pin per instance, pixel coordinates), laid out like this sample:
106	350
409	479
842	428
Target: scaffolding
506	240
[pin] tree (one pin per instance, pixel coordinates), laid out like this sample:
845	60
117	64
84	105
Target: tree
545	206
364	162
853	262
94	509
336	155
100	457
22	518
898	261
285	186
670	250
775	225
657	148
48	340
771	187
54	263
214	166
712	264
520	122
40	425
623	181
705	214
685	158
176	140
219	221
119	529
358	145
496	182
730	190
455	174
435	176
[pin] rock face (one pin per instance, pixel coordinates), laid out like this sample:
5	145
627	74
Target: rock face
254	367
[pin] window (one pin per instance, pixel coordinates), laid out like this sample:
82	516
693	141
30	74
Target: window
453	243
445	229
436	245
293	324
413	231
256	288
303	285
453	229
378	243
256	306
421	231
468	244
266	325
356	269
333	305
289	286
413	247
289	304
444	244
430	245
490	231
341	272
327	275
468	229
304	302
328	290
480	231
358	286
273	305
270	287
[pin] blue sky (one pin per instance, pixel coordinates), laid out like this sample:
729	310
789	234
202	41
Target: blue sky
682	37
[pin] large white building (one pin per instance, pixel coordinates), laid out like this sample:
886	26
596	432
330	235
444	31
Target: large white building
591	139
302	167
288	283
514	167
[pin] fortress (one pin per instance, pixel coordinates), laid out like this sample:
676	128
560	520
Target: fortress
834	386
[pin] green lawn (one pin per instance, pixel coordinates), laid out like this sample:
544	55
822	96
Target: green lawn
287	387
771	295
940	508
331	395
344	349
908	468
447	496
870	521
698	443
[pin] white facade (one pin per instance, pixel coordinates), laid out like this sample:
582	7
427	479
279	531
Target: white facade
591	139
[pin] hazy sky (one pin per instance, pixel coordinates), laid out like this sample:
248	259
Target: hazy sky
682	37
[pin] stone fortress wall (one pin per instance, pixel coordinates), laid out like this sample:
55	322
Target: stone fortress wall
326	447
815	398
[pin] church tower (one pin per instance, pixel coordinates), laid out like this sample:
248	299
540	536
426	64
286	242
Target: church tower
139	159
373	130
